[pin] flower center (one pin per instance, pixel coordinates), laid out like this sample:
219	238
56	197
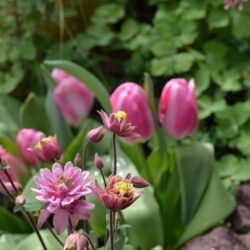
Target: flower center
123	188
63	180
121	115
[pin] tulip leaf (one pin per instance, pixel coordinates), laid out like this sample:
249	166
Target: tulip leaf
91	81
33	114
215	206
194	164
59	125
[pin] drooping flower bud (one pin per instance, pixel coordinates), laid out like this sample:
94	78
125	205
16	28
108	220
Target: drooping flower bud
139	182
74	99
75	241
20	200
47	149
77	159
95	135
98	161
131	98
178	112
25	138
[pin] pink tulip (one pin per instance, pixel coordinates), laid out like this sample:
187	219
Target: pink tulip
74	99
132	99
178	112
14	163
25	138
59	75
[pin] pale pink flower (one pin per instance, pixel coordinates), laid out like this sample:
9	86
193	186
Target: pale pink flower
178	112
117	124
119	193
132	99
25	138
62	190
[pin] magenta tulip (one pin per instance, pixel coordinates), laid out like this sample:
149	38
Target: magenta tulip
73	98
25	138
178	112
132	99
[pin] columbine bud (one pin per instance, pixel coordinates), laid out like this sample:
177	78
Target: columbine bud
75	241
178	112
139	182
24	139
47	149
98	161
95	135
74	99
77	159
20	200
131	98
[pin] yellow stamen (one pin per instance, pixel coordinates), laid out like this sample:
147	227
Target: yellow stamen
121	115
123	187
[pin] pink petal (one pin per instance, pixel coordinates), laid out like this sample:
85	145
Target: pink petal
44	214
61	220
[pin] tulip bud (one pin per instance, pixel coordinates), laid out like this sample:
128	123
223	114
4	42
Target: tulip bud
132	99
59	75
98	161
25	138
178	112
95	135
75	241
74	99
20	200
47	149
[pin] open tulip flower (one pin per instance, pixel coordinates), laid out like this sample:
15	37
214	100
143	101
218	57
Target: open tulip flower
62	190
117	124
119	193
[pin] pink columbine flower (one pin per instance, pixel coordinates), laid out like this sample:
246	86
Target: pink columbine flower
75	241
15	164
25	138
73	98
119	193
178	112
132	99
62	190
117	124
47	149
231	3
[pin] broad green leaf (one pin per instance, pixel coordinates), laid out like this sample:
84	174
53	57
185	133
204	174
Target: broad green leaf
33	114
129	29
58	123
202	80
87	78
214	207
10	241
11	223
32	242
32	204
195	162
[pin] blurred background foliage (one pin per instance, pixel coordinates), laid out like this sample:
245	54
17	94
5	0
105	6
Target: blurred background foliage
120	40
